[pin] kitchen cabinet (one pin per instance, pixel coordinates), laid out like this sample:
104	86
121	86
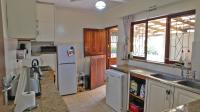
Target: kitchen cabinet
94	42
21	19
182	96
46	24
136	98
159	96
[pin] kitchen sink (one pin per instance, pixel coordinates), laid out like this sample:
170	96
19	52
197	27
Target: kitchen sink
167	77
190	83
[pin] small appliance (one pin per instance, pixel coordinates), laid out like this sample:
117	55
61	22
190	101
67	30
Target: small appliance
35	77
13	84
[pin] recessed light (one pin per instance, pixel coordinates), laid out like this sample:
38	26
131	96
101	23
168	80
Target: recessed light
100	5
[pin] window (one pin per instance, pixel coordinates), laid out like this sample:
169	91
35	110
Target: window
139	37
114	46
163	39
156	40
114	40
181	36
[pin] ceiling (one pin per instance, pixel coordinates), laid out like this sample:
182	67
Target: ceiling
83	4
90	4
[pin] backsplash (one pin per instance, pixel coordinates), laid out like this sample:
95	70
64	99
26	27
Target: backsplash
35	46
195	58
156	67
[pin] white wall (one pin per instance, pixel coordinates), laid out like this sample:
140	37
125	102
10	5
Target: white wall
69	29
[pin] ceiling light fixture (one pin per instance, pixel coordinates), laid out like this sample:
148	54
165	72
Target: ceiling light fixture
100	5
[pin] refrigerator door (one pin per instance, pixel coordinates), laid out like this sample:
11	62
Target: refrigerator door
66	54
67	79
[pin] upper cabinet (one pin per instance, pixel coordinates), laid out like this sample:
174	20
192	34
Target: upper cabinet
45	19
94	42
21	19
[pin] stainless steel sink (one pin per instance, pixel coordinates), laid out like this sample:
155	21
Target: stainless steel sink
190	83
167	77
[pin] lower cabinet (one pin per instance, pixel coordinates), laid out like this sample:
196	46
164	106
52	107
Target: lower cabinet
183	96
159	96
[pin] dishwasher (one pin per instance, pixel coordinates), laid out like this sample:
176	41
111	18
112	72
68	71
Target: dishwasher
117	90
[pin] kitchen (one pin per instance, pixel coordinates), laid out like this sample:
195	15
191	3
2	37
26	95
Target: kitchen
64	22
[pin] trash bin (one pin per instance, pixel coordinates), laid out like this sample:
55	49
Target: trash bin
87	81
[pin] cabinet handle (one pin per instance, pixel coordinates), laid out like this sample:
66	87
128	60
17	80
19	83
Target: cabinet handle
37	33
37	23
168	92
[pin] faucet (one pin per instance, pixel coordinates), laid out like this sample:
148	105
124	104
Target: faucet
188	74
182	71
193	75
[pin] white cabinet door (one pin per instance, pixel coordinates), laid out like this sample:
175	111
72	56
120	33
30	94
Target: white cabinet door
182	96
21	18
158	99
45	18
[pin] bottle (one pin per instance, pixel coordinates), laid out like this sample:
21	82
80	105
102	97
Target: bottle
181	61
142	91
187	60
134	87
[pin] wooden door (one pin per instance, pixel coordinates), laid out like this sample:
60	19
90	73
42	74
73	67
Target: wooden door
157	97
97	71
112	39
94	42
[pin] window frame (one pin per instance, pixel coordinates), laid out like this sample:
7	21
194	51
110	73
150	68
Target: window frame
132	38
167	36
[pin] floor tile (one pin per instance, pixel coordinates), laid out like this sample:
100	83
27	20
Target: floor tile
88	101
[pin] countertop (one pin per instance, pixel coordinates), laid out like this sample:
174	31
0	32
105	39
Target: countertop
147	74
190	107
123	68
49	101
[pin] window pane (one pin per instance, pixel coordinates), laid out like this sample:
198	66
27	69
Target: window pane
114	40
139	40
156	40
113	50
181	36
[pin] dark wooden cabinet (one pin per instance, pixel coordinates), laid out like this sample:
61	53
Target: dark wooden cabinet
97	71
94	42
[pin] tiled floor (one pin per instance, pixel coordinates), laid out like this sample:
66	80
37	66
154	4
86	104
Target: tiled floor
89	101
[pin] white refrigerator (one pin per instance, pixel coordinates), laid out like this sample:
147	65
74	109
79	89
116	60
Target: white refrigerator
67	70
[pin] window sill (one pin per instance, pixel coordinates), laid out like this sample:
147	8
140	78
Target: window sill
156	63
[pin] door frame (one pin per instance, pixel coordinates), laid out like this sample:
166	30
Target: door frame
108	50
2	50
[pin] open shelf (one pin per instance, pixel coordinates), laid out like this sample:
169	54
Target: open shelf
137	84
138	97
